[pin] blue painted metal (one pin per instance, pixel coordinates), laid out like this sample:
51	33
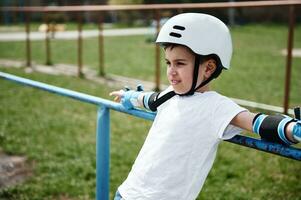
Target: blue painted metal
103	131
274	148
78	96
103	153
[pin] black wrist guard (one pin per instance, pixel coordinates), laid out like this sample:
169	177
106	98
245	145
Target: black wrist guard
272	128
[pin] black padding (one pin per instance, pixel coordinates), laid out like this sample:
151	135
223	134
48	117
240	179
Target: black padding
155	101
269	128
151	101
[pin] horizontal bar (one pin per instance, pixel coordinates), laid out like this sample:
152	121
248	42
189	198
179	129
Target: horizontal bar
274	148
151	6
77	95
285	151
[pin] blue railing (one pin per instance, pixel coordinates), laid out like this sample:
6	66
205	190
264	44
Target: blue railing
103	131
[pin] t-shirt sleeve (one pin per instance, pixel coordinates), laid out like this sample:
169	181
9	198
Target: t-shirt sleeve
225	111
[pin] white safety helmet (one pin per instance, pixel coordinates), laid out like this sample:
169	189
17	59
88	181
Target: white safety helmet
202	33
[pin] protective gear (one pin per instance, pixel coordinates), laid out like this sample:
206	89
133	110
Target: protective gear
297	131
152	100
297	126
130	97
272	128
204	35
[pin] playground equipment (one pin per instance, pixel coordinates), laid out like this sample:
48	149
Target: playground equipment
103	130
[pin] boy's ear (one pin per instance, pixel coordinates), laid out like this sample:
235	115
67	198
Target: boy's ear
210	67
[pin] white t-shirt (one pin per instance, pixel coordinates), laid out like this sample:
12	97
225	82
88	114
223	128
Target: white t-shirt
180	148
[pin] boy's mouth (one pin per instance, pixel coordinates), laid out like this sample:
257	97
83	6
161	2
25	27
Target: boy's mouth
175	82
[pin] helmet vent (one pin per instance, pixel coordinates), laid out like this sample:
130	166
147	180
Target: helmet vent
181	28
177	35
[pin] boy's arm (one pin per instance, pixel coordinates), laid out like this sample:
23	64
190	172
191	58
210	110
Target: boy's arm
274	128
243	120
138	98
130	98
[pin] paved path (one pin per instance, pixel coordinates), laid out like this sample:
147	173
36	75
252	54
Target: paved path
71	35
117	81
71	70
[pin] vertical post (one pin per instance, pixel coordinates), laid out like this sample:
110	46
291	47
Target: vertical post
47	41
101	44
28	48
290	41
157	48
231	14
79	47
103	154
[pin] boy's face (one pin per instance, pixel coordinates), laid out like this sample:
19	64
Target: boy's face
180	64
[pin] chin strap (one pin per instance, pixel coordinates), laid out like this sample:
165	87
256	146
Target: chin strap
193	88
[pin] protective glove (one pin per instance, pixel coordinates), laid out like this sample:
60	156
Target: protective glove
297	131
297	126
130	97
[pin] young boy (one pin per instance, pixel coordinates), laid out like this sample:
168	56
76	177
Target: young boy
191	120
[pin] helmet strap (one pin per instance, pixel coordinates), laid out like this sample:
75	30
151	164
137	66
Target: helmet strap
195	76
193	88
214	75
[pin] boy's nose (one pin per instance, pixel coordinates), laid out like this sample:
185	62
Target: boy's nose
172	70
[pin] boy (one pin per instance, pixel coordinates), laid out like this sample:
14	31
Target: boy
191	120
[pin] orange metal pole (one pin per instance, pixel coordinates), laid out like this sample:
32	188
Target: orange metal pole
47	41
153	6
79	47
290	42
157	54
101	46
28	47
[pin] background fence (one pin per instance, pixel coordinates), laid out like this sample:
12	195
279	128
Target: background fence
156	10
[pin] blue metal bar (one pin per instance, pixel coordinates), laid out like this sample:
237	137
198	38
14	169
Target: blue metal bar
78	96
289	152
103	154
274	148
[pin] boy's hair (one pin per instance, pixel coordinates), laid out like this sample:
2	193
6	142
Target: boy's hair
203	58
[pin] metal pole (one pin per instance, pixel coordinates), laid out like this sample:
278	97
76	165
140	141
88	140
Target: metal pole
103	127
262	145
101	44
290	42
103	154
28	48
231	15
79	48
47	41
157	54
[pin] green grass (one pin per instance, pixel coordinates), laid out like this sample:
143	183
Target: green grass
57	134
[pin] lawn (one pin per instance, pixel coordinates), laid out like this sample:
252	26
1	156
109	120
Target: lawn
57	134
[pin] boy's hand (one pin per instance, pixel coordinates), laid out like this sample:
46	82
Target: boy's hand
128	98
297	131
117	95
